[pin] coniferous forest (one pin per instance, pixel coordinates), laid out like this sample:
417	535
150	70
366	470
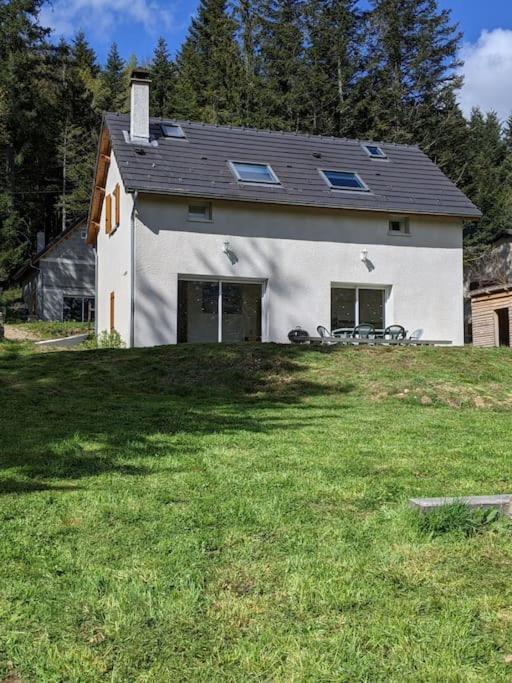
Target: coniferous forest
388	73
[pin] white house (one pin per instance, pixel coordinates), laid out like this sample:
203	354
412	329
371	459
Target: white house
216	233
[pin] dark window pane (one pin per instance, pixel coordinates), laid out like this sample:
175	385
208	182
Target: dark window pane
198	311
172	131
371	307
375	151
344	180
72	309
241	312
343	308
231	299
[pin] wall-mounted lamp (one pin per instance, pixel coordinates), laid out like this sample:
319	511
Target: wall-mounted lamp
364	255
230	253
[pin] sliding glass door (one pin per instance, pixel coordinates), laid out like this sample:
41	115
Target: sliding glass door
215	311
351	306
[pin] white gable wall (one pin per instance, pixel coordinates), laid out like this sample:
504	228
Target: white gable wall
114	262
298	253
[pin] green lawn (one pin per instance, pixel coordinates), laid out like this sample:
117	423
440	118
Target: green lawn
239	513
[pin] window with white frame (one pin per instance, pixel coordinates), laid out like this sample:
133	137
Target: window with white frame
344	180
375	152
247	172
351	306
399	225
200	211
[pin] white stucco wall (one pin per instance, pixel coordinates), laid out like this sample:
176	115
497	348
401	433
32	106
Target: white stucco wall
114	263
298	253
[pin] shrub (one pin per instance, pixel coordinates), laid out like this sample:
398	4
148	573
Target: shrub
105	340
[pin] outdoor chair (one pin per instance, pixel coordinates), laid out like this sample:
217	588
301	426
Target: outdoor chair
395	332
363	331
325	335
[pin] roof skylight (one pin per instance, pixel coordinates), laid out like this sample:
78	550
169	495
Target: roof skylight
375	152
172	130
254	173
344	180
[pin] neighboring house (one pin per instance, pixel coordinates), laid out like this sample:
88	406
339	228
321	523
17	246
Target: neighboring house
58	283
217	233
489	294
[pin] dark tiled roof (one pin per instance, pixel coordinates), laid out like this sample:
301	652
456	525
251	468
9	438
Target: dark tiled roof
506	233
197	166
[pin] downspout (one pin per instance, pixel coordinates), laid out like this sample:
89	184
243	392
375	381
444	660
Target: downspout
132	270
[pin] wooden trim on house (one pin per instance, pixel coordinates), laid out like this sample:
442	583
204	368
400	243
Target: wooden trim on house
100	180
108	214
117	208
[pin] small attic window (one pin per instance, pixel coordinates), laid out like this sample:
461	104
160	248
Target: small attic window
399	225
172	130
344	180
375	152
254	173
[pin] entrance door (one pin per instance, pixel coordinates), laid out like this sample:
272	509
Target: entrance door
215	311
503	323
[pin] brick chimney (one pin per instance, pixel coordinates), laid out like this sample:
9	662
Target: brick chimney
139	106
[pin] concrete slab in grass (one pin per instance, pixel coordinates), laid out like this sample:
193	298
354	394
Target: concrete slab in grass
502	502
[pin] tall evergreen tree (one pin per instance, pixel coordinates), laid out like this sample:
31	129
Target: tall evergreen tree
112	93
487	154
282	63
78	128
209	65
334	59
29	171
413	70
162	81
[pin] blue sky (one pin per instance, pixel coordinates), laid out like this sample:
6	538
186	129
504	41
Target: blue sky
136	24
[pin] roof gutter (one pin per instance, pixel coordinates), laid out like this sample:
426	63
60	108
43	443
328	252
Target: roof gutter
406	211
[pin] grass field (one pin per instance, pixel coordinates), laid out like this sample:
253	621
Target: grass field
239	513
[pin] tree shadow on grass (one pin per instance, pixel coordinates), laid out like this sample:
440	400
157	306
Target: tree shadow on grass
71	415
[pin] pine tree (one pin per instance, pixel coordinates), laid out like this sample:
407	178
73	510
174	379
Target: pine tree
413	70
29	171
84	57
487	154
248	37
282	64
112	93
78	128
209	67
162	81
335	64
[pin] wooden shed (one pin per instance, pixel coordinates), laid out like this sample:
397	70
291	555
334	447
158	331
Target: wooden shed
491	313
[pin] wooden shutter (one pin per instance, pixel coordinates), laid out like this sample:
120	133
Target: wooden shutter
112	312
108	214
117	197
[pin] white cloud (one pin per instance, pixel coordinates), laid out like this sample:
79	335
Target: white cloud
98	17
488	73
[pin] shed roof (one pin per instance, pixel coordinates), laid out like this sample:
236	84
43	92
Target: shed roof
491	290
197	165
33	260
